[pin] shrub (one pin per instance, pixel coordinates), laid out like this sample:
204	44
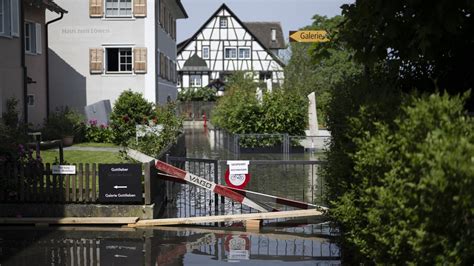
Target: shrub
63	122
129	110
10	117
98	133
153	144
413	201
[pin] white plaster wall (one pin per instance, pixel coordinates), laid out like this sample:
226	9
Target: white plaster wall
69	42
185	81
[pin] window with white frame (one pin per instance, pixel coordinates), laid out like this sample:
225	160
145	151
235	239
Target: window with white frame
15	18
10	18
205	52
118	60
244	53
5	18
195	80
118	8
32	38
223	22
230	53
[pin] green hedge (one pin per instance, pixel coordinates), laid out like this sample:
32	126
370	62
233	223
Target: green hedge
408	195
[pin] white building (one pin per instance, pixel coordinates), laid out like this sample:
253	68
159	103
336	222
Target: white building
224	44
104	47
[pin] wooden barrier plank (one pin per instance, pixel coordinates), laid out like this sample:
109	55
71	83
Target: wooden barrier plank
228	218
70	220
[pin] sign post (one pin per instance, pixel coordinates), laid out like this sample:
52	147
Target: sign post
309	36
120	183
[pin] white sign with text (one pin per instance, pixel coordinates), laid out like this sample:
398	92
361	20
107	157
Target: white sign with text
238	167
63	169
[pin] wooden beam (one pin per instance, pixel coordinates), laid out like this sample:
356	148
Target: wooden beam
228	218
70	220
253	225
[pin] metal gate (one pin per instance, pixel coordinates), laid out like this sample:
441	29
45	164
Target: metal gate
296	180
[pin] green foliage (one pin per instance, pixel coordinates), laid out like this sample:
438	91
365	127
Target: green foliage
198	94
239	111
152	144
98	134
411	197
428	43
63	122
354	108
319	67
10	117
129	110
10	139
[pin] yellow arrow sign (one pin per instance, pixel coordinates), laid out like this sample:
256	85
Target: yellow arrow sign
309	36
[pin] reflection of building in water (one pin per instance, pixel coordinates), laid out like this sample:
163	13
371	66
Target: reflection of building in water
170	246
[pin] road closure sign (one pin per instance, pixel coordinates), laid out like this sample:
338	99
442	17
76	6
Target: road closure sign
120	183
309	36
237	175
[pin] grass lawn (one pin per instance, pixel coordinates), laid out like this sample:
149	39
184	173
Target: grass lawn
49	156
99	145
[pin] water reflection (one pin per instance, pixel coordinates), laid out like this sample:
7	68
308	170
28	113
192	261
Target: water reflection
203	143
163	246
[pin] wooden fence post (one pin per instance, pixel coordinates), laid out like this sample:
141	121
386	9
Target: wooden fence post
94	183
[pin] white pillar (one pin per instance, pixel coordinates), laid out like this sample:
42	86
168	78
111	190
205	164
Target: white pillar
313	115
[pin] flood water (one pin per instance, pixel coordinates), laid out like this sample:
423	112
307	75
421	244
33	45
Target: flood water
166	246
302	242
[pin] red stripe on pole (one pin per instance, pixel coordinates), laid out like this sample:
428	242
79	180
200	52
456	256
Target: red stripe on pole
171	170
275	199
228	193
180	176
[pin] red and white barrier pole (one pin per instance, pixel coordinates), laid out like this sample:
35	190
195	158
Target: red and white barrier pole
204	183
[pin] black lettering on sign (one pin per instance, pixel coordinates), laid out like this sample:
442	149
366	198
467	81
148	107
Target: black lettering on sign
200	182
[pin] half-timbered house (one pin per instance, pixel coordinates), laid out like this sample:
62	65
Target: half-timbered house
225	44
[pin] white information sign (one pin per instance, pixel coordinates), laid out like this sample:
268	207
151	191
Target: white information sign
238	167
63	169
143	130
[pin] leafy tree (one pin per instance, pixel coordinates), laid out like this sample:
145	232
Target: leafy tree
427	44
239	111
318	67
